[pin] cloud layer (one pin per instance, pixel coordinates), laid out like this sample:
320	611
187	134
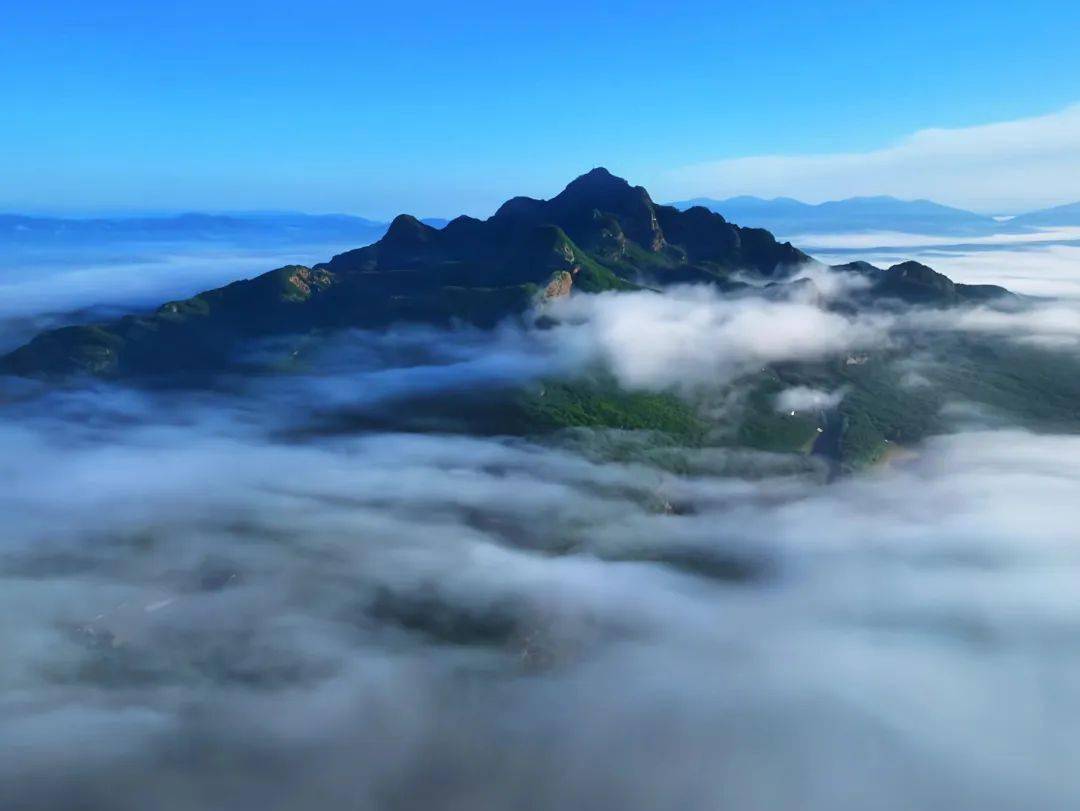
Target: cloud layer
197	614
204	603
1007	166
693	336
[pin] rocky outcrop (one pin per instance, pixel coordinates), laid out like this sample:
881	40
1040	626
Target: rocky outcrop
305	280
562	282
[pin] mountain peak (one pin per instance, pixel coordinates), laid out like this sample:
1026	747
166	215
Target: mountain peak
599	192
406	228
598	174
912	268
596	181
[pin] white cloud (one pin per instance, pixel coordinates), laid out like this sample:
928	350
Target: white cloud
894	239
1051	325
502	612
1046	263
1037	269
1049	271
804	398
310	587
691	336
1011	165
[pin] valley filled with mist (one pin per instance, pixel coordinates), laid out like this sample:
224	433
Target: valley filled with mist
573	406
750	545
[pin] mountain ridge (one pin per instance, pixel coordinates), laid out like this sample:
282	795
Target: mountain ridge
245	227
599	234
1063	215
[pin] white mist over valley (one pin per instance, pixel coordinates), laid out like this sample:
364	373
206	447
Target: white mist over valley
265	593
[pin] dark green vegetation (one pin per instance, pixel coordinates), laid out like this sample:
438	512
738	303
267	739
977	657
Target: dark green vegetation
892	399
558	405
600	234
929	384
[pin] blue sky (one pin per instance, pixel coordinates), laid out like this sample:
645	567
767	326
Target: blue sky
438	108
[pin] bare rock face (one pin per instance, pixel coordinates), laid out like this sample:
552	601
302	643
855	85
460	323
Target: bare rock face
562	281
304	279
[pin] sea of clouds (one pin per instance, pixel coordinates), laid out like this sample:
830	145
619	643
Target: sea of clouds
203	604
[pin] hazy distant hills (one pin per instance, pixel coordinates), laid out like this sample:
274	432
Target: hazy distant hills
262	228
788	217
783	216
1067	215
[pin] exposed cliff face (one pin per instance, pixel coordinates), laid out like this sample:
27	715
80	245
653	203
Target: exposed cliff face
561	283
305	280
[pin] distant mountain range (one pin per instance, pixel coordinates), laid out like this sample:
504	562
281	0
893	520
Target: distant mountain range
261	228
789	217
783	216
1067	215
